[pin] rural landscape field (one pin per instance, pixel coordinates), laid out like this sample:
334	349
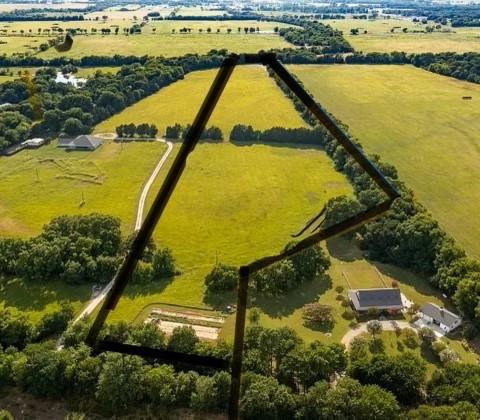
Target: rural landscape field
106	315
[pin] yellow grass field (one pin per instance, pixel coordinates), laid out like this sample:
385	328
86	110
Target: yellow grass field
419	122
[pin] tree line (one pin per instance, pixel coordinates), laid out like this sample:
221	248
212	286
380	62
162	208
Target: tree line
78	249
131	130
284	377
314	34
57	107
247	134
277	279
407	236
178	131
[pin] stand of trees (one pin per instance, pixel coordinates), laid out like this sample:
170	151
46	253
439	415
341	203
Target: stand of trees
283	376
313	33
277	279
79	249
142	130
177	131
246	134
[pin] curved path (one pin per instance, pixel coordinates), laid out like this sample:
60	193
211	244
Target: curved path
141	205
391	325
148	184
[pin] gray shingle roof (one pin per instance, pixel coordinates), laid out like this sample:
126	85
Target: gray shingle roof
85	141
387	298
439	314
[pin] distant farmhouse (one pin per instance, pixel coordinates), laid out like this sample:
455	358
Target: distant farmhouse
385	299
83	142
441	317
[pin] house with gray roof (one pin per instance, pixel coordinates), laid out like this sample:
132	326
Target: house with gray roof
82	142
441	317
384	299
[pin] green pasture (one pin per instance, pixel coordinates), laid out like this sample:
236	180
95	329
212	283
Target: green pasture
379	37
419	122
11	45
251	97
36	299
41	184
90	71
9	7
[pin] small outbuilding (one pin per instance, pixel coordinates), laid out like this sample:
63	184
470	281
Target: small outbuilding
441	317
82	142
34	143
384	299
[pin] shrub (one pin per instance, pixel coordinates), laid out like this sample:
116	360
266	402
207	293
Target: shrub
318	313
470	331
410	338
339	289
448	355
438	346
427	336
394	284
340	298
348	314
221	278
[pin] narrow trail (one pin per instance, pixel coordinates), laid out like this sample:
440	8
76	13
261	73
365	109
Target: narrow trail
138	223
148	184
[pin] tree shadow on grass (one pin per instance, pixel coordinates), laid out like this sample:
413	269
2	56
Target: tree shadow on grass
344	249
134	290
284	305
35	296
418	282
323	328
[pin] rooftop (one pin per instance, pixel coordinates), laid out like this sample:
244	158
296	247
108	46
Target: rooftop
383	298
440	314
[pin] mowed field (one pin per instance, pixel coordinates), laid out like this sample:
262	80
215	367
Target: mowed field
38	185
379	38
419	122
233	203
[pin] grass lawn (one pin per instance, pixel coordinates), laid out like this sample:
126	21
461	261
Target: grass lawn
417	121
395	345
38	185
36	299
379	38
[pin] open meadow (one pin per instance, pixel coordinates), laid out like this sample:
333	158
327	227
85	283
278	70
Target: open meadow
379	37
419	122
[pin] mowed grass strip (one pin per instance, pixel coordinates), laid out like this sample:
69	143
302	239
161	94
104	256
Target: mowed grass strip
379	37
419	122
38	185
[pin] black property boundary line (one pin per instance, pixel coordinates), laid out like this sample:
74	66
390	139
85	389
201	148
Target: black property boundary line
141	239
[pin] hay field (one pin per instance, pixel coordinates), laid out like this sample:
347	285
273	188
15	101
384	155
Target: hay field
418	121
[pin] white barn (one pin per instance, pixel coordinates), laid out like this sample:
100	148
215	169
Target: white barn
441	317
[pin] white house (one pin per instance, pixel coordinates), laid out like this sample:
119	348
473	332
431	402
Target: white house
443	318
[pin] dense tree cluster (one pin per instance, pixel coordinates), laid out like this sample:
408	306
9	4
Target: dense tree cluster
178	131
14	128
314	34
276	279
464	66
283	377
246	134
131	130
79	249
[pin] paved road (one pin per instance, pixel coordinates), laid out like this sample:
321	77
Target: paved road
362	328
